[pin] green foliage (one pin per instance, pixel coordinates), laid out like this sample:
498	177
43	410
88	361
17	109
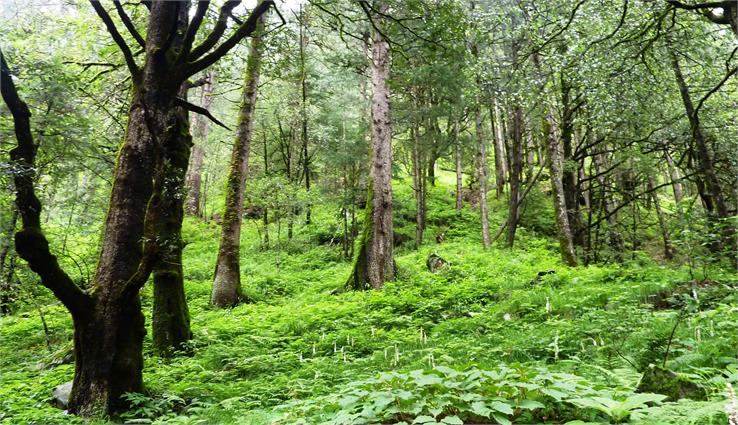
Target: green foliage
445	395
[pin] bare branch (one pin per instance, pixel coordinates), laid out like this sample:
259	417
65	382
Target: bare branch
192	28
198	110
220	26
103	14
243	31
128	24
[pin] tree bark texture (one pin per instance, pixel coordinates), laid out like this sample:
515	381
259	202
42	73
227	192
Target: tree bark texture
374	262
227	280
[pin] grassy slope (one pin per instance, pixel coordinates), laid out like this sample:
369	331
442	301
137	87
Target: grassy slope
298	341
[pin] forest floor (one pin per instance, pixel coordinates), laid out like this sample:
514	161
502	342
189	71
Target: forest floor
483	340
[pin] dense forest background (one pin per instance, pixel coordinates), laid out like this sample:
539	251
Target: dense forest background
421	211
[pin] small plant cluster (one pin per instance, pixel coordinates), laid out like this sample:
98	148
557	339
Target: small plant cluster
442	395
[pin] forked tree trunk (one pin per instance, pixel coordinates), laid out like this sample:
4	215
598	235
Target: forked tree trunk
227	280
566	241
374	262
108	321
201	129
482	173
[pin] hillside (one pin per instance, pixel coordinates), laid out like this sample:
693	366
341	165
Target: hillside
485	337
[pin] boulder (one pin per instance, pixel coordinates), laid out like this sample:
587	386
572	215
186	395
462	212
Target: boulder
60	395
663	381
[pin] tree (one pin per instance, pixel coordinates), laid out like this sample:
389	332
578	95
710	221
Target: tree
227	280
108	322
200	129
374	262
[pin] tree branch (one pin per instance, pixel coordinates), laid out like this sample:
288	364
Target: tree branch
30	242
700	6
192	28
198	110
220	26
242	32
128	24
132	67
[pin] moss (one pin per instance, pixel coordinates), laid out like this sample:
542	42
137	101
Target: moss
673	385
359	278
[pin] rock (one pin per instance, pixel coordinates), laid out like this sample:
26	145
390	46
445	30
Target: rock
60	395
663	381
435	263
539	276
399	239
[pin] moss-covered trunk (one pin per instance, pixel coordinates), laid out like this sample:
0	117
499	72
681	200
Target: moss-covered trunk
227	280
374	263
171	318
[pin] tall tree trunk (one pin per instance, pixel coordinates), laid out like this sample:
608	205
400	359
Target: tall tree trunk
569	179
304	116
516	171
566	240
498	139
482	172
418	184
706	163
227	280
459	168
171	317
201	129
374	263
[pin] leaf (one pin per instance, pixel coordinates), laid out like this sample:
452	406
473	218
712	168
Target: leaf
503	407
531	404
480	409
502	419
425	380
558	395
425	419
452	420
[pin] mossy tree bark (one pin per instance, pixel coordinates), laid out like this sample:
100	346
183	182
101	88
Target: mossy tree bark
227	280
108	321
171	318
374	262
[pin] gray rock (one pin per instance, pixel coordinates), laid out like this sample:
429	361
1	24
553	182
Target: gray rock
60	395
